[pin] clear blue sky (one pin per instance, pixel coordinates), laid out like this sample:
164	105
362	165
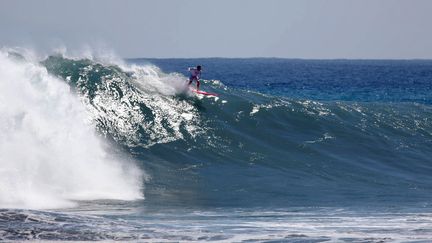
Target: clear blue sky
399	29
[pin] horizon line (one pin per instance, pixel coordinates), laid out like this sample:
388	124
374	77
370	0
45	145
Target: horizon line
291	58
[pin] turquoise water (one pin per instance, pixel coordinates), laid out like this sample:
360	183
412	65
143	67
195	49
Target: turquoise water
291	150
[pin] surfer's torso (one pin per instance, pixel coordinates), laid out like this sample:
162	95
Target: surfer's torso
195	73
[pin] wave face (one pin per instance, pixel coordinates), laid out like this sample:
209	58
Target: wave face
133	105
251	148
50	155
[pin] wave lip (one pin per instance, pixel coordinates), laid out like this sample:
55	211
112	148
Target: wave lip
50	155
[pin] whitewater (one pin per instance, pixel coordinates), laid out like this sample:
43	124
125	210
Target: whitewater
292	150
50	153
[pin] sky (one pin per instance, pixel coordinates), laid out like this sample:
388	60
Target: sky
312	29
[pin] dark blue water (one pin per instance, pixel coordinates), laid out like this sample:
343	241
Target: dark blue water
330	132
290	150
345	80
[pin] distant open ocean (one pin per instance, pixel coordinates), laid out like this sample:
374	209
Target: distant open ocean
290	151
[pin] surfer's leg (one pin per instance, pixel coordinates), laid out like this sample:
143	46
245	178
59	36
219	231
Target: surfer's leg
191	78
198	84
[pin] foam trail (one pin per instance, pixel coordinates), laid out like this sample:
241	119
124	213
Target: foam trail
49	155
150	78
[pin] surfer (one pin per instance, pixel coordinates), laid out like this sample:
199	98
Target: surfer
195	75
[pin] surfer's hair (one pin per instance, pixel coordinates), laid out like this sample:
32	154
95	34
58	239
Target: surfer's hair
199	67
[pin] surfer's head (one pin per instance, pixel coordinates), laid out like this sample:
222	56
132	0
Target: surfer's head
199	68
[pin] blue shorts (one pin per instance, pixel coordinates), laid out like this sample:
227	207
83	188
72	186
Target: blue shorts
192	78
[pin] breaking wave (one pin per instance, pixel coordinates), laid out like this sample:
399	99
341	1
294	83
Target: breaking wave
50	155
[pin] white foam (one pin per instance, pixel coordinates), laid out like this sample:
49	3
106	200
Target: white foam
49	155
151	79
96	53
171	118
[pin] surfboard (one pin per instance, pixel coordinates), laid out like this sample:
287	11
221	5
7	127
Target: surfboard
203	92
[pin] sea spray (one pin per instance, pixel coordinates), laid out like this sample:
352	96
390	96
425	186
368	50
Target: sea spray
151	79
49	152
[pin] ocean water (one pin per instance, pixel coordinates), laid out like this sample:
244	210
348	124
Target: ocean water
290	151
